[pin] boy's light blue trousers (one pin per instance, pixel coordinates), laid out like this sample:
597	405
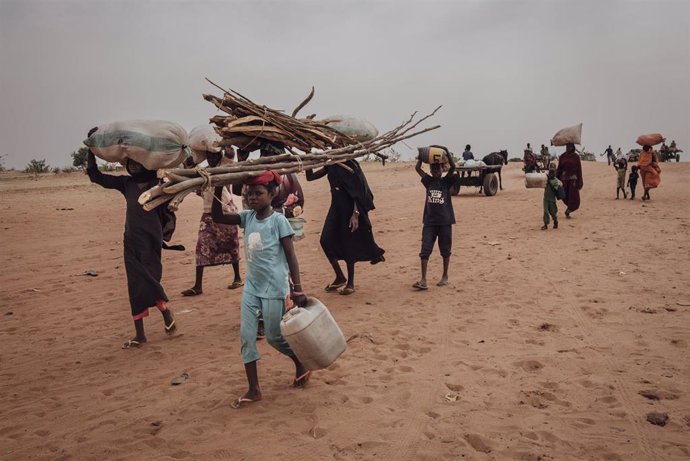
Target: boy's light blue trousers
272	310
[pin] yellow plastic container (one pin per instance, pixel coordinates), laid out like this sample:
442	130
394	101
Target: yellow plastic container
433	155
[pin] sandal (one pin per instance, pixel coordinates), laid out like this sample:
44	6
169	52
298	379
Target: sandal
191	292
170	329
346	291
302	380
235	284
242	401
132	344
334	286
420	286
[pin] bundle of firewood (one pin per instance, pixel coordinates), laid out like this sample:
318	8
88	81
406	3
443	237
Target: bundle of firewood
333	148
248	124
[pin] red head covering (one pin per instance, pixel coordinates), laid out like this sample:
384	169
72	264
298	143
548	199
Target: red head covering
264	179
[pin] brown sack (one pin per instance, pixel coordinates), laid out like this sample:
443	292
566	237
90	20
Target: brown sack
651	139
570	135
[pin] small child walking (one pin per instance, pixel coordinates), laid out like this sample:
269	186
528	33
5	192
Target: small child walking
270	257
621	166
632	180
438	217
552	191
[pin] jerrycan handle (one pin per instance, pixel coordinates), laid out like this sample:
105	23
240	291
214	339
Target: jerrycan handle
298	310
295	311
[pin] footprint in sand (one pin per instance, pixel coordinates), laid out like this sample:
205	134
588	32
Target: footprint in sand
549	385
529	365
655	394
548	327
455	387
610	400
478	442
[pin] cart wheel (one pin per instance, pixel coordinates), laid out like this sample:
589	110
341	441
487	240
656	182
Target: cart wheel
490	184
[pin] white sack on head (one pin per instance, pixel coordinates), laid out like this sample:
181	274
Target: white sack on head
153	143
570	135
202	139
356	128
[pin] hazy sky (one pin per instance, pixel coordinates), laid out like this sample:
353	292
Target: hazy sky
506	72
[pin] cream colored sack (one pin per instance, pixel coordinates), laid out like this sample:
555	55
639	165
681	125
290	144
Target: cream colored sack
153	143
356	128
570	135
202	139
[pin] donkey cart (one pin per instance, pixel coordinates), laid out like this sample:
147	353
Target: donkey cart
485	177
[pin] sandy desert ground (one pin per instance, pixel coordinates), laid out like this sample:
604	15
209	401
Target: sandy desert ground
541	347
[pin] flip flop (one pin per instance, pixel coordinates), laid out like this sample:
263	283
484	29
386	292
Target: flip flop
170	329
132	344
177	380
346	291
419	286
191	292
241	401
302	380
334	286
235	285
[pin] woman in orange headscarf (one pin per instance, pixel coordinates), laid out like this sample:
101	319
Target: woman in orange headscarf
649	170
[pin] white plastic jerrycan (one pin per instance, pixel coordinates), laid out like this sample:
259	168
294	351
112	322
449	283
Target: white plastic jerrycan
313	335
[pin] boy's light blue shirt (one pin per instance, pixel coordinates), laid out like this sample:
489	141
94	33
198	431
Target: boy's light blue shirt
267	268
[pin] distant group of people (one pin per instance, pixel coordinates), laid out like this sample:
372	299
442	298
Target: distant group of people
531	161
647	169
565	181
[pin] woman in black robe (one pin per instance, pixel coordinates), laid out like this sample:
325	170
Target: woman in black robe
347	233
143	240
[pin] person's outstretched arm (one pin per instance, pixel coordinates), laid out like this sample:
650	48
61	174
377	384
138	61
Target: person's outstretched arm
103	180
217	210
314	175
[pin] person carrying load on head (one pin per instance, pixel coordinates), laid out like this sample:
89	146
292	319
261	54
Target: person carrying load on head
143	241
217	244
569	171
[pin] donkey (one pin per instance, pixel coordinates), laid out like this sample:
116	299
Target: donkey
496	158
